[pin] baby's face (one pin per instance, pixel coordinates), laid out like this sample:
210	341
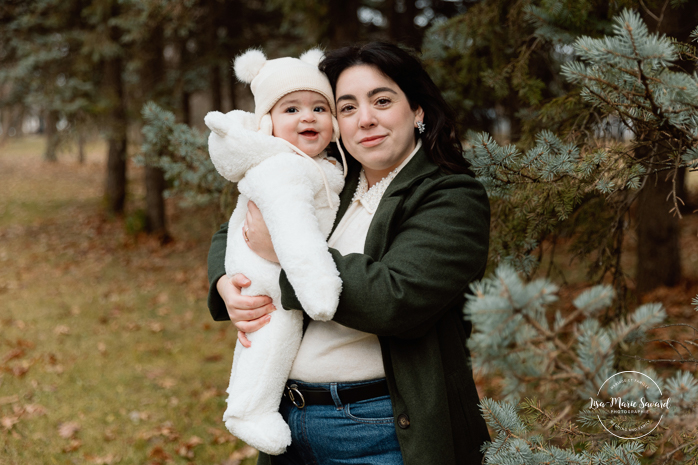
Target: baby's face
303	118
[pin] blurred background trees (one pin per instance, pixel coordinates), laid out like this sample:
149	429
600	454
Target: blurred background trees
76	68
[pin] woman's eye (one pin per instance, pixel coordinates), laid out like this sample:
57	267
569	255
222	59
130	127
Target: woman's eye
383	101
346	108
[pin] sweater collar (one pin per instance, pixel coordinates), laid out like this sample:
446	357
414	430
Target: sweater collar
418	167
371	197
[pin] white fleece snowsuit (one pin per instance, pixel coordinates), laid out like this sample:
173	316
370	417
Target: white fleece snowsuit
295	202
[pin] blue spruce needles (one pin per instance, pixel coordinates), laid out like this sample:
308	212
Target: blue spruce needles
563	359
182	153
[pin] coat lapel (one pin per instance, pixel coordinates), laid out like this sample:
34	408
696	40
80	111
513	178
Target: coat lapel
380	232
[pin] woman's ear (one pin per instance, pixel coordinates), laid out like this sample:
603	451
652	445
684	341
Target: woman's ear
418	115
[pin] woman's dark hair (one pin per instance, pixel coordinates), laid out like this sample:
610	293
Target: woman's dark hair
440	139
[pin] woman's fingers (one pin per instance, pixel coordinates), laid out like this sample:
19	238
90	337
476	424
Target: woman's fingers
240	280
230	291
242	337
257	234
251	326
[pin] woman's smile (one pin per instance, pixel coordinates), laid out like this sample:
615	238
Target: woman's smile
375	119
372	141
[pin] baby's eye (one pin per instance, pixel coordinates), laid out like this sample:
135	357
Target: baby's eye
319	109
291	110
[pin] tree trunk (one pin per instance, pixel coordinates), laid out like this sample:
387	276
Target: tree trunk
156	219
81	146
343	22
216	88
233	87
51	136
658	258
153	75
115	191
401	14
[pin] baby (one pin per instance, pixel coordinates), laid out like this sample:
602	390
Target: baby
277	157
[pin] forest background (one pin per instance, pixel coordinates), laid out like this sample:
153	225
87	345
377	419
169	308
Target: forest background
108	201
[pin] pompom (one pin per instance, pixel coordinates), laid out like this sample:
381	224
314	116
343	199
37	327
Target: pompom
248	65
313	56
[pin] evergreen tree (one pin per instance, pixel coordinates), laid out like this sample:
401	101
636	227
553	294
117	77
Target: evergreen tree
552	363
518	334
597	222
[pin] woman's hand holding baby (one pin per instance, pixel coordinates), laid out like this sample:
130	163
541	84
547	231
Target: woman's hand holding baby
248	313
257	235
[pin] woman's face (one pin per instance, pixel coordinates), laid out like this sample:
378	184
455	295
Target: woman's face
375	120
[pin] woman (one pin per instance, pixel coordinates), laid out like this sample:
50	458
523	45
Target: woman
388	380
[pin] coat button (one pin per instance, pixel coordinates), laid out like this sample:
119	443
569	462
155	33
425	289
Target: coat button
403	421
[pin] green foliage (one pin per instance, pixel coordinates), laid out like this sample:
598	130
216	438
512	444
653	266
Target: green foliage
182	153
519	335
557	187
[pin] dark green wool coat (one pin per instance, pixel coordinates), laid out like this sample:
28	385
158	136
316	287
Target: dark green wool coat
427	242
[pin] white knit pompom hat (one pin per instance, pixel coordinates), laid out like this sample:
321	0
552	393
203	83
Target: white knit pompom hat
270	80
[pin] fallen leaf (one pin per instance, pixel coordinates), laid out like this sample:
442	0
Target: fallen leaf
155	326
61	330
8	422
221	436
109	434
35	410
68	429
167	383
208	394
213	358
244	452
165	430
162	298
9	399
136	416
19	370
101	347
73	445
159	453
13	354
194	441
133	326
58	369
186	452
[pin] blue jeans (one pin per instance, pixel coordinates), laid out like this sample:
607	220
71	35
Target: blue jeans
348	434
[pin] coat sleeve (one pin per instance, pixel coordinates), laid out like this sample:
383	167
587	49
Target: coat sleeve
435	244
216	270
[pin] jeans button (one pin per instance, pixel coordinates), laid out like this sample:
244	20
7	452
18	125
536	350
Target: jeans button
403	421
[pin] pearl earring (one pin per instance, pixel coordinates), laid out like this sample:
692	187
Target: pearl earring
421	127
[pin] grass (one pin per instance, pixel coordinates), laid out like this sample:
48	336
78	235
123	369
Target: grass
107	351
